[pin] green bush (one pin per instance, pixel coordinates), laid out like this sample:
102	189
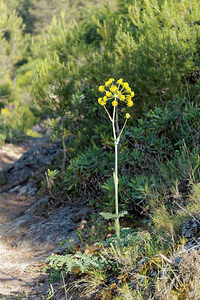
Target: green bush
151	44
6	88
15	120
162	130
86	171
161	55
153	156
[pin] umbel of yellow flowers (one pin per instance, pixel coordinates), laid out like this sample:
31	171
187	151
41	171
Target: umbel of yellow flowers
116	92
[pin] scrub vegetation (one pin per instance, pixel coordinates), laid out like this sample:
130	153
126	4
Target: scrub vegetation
66	62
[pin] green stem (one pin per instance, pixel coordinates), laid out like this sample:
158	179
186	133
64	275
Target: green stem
108	113
117	136
117	224
113	124
64	146
122	129
115	175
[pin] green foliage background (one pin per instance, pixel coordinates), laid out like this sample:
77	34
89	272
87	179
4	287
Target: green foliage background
54	56
154	45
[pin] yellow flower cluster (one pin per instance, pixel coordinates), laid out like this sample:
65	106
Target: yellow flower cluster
119	91
4	111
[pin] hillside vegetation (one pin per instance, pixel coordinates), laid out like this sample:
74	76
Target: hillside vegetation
52	64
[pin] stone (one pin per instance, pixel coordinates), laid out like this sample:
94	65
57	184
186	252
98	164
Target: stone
142	261
31	161
176	260
48	232
15	189
153	273
190	229
28	189
39	228
22	191
32	190
33	230
80	214
192	244
38	207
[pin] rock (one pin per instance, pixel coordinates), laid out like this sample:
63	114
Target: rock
176	260
12	230
22	191
31	161
48	233
34	231
31	189
153	273
190	229
78	217
142	261
28	189
38	207
3	177
15	189
193	244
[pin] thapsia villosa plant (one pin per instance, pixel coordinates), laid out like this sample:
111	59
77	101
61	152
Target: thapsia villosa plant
118	92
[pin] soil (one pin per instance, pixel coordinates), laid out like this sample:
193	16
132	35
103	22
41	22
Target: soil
21	271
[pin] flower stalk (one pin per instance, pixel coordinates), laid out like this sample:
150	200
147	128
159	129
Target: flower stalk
120	93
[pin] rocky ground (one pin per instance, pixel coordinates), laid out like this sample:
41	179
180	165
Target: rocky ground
28	234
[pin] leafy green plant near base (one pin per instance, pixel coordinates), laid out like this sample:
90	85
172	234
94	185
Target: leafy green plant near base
85	262
80	261
99	271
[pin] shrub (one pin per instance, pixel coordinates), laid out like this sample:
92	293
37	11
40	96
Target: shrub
161	55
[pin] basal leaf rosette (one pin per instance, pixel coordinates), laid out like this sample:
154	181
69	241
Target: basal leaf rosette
116	91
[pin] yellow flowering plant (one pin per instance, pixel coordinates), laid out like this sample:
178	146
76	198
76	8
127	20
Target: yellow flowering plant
4	111
117	93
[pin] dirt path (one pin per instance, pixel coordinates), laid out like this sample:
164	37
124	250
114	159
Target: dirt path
21	275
